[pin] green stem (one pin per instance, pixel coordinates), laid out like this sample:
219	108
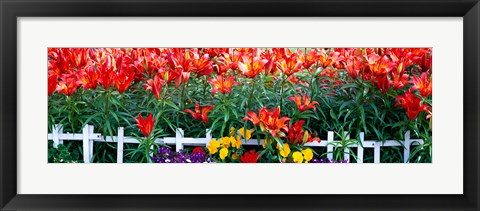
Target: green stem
249	106
147	150
180	104
281	92
70	113
106	111
204	80
182	94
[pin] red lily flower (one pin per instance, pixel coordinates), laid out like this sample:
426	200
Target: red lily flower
422	84
250	157
383	83
251	68
304	103
272	60
145	125
154	85
311	139
354	66
61	60
221	85
68	84
295	132
411	103
146	60
213	52
88	77
222	65
296	135
426	62
106	73
201	113
399	80
52	82
124	78
270	120
180	64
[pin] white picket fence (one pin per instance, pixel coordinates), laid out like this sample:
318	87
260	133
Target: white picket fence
88	137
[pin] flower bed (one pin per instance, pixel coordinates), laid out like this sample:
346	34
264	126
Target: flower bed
288	97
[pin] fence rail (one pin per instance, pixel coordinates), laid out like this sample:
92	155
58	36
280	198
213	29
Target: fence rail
88	137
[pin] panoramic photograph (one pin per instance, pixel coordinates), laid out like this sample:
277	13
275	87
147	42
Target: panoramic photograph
239	105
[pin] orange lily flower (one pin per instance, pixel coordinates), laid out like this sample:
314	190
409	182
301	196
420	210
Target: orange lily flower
221	85
311	58
201	113
379	65
202	65
329	59
251	68
270	120
411	103
145	125
422	84
155	86
303	103
290	64
68	84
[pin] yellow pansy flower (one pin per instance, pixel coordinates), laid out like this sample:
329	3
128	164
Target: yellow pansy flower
237	142
264	144
235	156
213	146
307	154
232	131
246	134
223	153
297	157
225	141
285	151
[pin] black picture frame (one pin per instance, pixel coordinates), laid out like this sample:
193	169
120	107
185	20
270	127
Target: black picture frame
10	10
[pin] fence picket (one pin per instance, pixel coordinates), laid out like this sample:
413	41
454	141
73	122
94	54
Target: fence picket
120	145
208	137
55	135
90	141
330	145
86	143
376	152
406	150
179	139
346	152
60	131
360	148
